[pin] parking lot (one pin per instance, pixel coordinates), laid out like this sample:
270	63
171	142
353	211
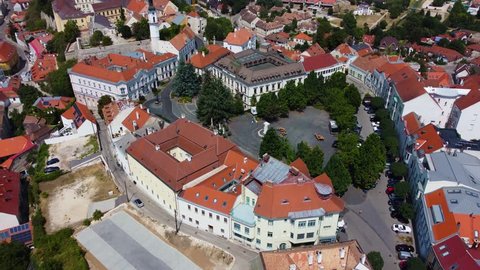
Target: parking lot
300	126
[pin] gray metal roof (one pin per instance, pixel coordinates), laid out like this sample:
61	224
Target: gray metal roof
460	168
462	200
243	213
307	214
273	170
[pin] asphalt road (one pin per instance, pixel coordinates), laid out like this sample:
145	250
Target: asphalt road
164	107
243	255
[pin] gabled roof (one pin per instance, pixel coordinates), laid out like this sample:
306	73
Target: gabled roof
315	50
139	116
411	122
239	37
207	151
319	62
473	97
428	140
59	103
279	201
369	39
137	6
183	38
303	36
215	52
301	166
446	225
9	192
7	51
452	253
107	5
11	148
43	66
79	113
408	83
345	49
370	62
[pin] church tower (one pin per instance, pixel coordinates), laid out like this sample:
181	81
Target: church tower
154	27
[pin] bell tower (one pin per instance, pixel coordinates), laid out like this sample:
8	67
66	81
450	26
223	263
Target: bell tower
154	27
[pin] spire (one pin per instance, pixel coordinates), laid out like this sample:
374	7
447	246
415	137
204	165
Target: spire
150	5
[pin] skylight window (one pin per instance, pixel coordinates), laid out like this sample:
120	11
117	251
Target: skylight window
284	201
206	198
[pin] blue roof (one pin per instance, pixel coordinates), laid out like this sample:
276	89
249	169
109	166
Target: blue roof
243	213
273	170
178	19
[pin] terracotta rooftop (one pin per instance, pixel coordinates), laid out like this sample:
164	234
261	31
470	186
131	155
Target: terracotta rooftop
448	226
473	97
239	37
408	83
449	54
7	51
207	152
315	50
279	201
319	62
79	113
412	123
301	166
106	68
181	39
13	147
43	66
369	39
215	52
428	140
345	49
9	192
329	258
59	103
370	63
139	116
303	36
110	111
137	6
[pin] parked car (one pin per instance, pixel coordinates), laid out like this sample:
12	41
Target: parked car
375	124
53	161
138	203
372	117
392	182
51	169
335	144
400	228
404	255
390	190
392	209
402	264
404	247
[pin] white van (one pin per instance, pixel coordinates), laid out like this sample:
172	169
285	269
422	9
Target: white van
404	255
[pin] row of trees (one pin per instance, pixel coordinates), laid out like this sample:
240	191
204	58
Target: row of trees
340	99
218	28
98	39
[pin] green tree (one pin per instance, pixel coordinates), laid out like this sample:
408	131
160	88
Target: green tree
215	103
303	150
141	30
402	189
270	108
370	162
337	37
59	81
391	145
339	174
14	256
375	259
313	157
294	98
218	28
96	38
407	210
310	88
272	144
106	41
28	94
457	45
97	215
349	23
102	101
337	80
186	82
71	31
399	170
415	263
353	96
125	31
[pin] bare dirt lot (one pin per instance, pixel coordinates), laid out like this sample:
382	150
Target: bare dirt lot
205	255
68	197
70	150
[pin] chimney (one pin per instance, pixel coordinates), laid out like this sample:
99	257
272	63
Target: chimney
265	157
203	53
148	110
137	114
141	106
363	259
319	257
157	147
310	258
342	253
135	126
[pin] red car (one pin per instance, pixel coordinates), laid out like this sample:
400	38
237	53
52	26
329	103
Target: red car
403	264
390	190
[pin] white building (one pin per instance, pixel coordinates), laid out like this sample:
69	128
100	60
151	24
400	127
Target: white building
80	120
183	45
240	40
120	76
196	22
324	64
465	116
252	73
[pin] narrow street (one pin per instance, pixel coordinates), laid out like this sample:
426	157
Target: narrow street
242	255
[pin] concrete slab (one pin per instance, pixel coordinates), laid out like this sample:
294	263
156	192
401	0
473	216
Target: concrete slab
120	242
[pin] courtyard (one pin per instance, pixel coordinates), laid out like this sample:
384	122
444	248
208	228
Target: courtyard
300	126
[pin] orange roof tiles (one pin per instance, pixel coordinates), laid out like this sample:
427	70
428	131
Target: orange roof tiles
59	103
315	50
208	151
193	13
276	201
43	66
370	63
78	113
428	139
301	166
345	49
11	148
137	6
181	39
303	36
473	97
412	123
9	192
7	51
139	116
99	68
448	226
110	111
239	37
215	52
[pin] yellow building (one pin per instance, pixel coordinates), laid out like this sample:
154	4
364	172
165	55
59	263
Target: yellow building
8	56
109	9
64	11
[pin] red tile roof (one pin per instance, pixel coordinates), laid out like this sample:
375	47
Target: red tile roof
239	37
110	111
209	194
215	52
193	13
452	253
450	54
448	226
305	37
474	47
79	113
408	83
43	66
59	103
319	62
428	139
139	116
99	68
276	201
369	39
370	62
208	151
315	50
137	6
473	97
411	122
9	192
345	49
7	51
11	148
301	166
181	39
